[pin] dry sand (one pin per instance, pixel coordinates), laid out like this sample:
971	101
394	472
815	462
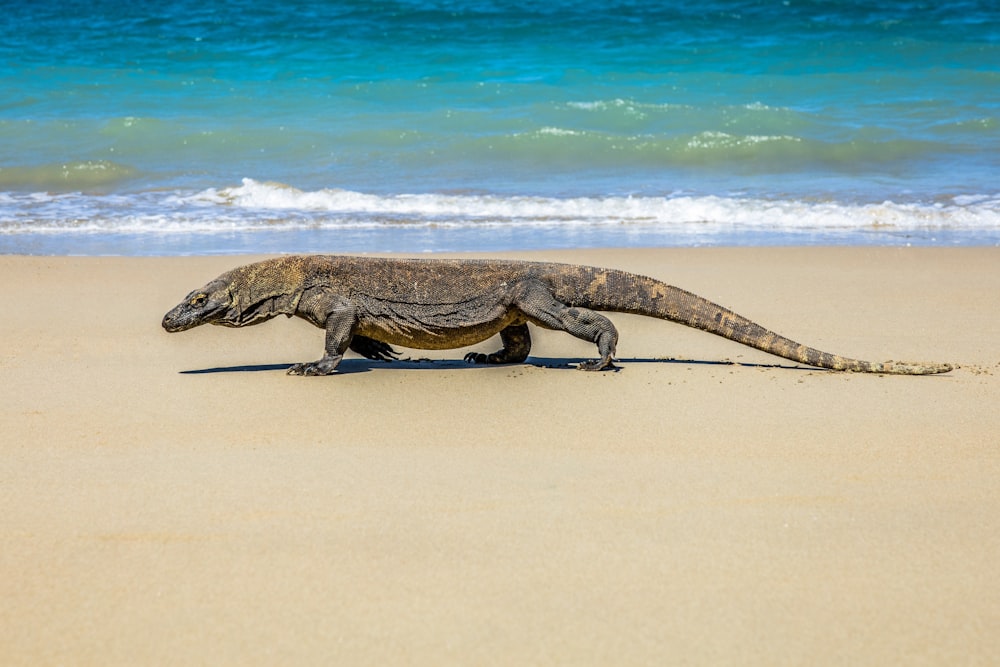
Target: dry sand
676	512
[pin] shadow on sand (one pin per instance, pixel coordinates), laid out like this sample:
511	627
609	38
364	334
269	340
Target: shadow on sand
348	366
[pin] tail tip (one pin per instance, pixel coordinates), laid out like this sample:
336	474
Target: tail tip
915	368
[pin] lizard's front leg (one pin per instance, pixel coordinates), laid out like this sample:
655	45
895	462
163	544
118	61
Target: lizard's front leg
340	321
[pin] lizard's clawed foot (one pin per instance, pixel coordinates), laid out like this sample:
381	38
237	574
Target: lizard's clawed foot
597	365
477	358
373	349
324	366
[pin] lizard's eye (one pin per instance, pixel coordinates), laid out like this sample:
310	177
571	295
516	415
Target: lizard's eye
199	300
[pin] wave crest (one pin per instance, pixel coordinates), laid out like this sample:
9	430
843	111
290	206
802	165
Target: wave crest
347	207
256	205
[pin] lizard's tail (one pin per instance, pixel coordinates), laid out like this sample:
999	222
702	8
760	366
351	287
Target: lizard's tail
619	291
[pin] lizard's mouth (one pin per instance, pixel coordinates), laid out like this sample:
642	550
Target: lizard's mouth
188	314
176	321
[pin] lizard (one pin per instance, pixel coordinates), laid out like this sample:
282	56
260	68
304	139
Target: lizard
369	304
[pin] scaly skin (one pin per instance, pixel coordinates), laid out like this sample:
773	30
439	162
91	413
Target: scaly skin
370	304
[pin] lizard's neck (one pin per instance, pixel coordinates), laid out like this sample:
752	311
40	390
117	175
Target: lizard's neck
264	290
262	309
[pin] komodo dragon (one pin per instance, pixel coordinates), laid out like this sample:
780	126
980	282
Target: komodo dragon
369	304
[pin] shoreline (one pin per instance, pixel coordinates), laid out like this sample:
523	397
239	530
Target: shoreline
179	499
271	217
420	241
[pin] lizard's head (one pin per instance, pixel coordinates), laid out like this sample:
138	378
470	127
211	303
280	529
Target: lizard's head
208	305
246	295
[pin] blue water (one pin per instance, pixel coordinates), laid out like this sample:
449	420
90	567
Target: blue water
240	126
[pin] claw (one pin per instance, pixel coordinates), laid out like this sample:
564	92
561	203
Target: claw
374	349
598	365
325	366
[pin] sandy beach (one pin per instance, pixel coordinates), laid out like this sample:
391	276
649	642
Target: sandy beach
176	499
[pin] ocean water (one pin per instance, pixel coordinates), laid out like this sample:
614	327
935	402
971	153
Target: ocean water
224	126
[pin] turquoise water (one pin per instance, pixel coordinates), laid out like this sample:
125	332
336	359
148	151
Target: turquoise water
236	125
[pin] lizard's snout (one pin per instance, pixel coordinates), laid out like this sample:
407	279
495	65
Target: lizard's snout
175	321
169	324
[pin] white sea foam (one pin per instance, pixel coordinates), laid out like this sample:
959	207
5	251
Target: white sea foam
726	140
967	211
255	205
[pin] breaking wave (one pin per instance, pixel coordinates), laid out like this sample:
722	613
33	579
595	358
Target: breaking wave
274	206
349	207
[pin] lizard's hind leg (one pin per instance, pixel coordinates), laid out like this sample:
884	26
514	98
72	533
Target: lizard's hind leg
543	309
373	349
516	345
